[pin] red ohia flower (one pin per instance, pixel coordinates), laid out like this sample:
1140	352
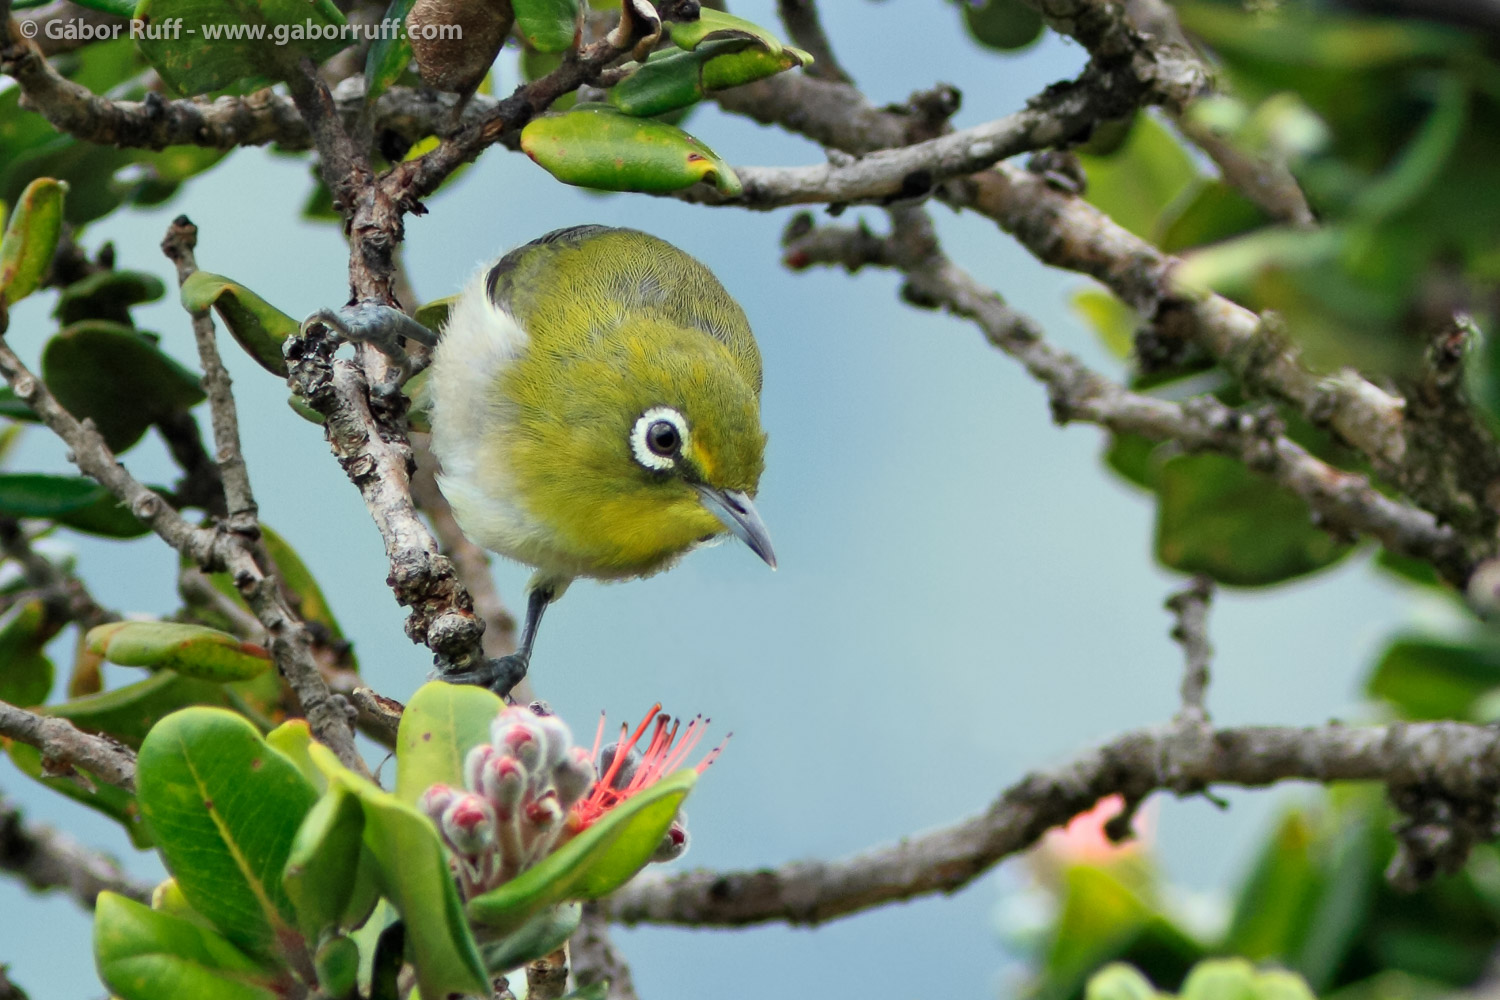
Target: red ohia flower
626	771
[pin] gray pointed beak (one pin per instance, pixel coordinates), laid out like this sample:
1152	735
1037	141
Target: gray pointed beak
739	516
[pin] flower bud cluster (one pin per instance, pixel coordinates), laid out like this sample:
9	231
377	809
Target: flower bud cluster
518	791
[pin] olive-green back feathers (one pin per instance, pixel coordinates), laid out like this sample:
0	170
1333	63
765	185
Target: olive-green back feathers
544	283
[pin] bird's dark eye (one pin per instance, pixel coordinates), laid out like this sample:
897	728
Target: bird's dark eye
658	438
662	438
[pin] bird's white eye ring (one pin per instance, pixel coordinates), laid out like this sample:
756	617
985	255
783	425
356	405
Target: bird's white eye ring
658	437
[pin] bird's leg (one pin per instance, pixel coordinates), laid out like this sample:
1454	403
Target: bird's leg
505	672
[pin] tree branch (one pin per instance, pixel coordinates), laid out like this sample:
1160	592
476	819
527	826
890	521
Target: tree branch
44	859
1343	500
805	28
63	745
66	597
241	509
1451	762
595	959
213	550
1190	609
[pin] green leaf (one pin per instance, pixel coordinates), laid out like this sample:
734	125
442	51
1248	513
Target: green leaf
1435	679
715	25
599	147
413	872
595	863
256	325
321	869
671	80
337	962
224	809
192	650
733	69
546	25
13	409
107	295
1137	183
1006	25
35	494
106	517
143	954
1211	211
390	53
1221	979
1215	516
293	740
31	236
192	62
104	798
1119	982
539	936
1274	908
25	672
117	377
1104	918
441	724
127	713
435	313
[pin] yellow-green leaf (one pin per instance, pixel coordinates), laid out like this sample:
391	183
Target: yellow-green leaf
31	236
598	147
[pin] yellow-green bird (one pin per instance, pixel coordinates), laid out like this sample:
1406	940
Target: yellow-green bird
595	406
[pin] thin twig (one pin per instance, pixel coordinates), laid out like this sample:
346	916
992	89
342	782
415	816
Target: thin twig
65	595
181	238
806	29
44	858
1190	609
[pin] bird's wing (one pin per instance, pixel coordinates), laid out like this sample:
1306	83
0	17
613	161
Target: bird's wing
545	283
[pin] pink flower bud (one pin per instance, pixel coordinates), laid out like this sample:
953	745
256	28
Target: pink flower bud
502	782
474	764
514	733
544	813
674	843
573	777
469	824
556	740
435	800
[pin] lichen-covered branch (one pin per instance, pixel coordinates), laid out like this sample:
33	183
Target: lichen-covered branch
45	859
64	746
1448	761
378	460
1345	501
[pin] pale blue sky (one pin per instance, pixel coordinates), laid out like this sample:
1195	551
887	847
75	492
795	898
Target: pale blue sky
964	593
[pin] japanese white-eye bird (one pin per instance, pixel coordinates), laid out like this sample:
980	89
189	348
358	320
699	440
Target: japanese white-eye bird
594	400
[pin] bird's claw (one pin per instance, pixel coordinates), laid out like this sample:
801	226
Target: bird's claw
372	323
499	674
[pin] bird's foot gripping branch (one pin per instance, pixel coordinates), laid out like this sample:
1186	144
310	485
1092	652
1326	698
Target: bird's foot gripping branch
294	876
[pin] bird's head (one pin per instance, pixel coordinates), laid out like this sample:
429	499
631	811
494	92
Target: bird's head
652	447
